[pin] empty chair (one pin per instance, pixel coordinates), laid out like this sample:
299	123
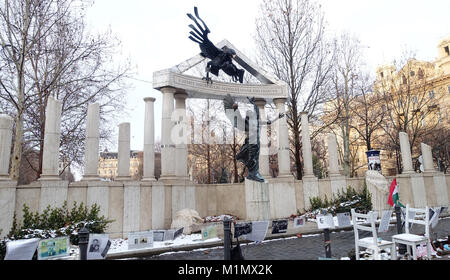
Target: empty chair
413	240
372	243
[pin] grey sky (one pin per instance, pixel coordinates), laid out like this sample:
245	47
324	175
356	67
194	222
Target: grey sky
154	35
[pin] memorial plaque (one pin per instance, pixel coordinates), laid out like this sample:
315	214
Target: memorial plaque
279	226
141	239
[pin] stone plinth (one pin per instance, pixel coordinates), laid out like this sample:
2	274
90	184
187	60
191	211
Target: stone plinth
149	140
378	187
310	189
282	198
92	142
52	136
7	205
257	200
123	164
131	207
98	193
6	125
440	189
161	205
53	193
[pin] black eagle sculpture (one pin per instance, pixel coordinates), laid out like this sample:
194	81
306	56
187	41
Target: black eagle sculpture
220	59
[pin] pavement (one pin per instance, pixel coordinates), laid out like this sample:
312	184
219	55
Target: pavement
286	246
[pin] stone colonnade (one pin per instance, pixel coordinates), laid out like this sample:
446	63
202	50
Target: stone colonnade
153	204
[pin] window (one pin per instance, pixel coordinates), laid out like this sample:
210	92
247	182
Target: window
381	75
404	80
412	73
431	94
447	50
414	99
420	73
448	87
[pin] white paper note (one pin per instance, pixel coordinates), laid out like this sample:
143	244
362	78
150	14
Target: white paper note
21	249
385	219
259	231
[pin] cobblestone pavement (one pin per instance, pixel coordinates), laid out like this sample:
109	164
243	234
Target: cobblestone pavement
304	248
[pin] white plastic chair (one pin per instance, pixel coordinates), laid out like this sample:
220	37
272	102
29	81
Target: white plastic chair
413	240
371	243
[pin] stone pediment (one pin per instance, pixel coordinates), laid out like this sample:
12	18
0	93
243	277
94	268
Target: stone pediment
195	87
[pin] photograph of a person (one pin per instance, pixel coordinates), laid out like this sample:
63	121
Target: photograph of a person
95	246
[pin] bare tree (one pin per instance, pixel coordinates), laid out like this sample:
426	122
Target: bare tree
56	56
290	38
412	101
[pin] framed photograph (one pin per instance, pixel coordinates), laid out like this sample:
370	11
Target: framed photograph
242	229
98	246
299	221
141	239
279	226
53	248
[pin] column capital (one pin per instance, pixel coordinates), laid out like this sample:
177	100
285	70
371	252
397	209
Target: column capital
149	99
180	95
304	113
279	100
260	102
168	90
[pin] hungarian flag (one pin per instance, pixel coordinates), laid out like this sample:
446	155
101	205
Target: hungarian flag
393	194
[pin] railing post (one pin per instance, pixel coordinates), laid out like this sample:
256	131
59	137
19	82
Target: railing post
327	241
83	240
398	215
227	239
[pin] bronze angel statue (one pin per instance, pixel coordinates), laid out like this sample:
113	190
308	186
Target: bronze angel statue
220	59
249	152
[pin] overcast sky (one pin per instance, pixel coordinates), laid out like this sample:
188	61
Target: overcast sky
154	35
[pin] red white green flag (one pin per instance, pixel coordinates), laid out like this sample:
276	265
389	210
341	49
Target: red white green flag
393	194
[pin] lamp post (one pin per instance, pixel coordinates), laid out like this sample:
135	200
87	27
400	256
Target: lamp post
83	240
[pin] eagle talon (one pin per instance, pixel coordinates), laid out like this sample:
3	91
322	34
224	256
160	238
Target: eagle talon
208	80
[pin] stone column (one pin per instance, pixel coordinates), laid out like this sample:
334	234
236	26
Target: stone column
167	146
52	136
123	164
333	155
7	186
92	142
306	146
427	157
264	168
149	140
406	153
284	160
6	125
179	135
337	181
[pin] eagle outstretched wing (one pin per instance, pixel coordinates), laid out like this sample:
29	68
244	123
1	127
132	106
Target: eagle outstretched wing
200	36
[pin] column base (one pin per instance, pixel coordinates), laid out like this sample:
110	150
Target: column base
91	178
5	178
123	178
149	179
49	178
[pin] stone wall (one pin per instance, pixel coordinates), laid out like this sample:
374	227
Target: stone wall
133	205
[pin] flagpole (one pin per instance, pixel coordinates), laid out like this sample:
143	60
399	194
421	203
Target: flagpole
398	215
